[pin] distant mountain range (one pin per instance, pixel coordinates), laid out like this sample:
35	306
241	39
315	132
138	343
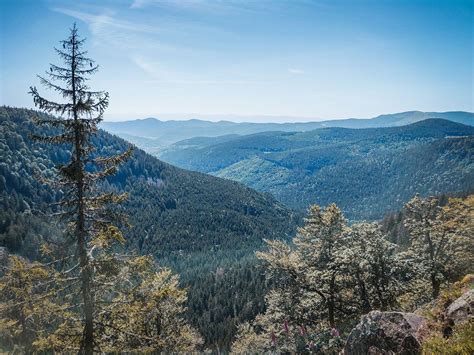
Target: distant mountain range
368	172
152	134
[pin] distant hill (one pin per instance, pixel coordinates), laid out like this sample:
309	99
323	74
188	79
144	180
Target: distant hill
401	119
367	172
196	223
152	134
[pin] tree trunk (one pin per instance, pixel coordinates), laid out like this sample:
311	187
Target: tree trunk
332	322
331	304
436	285
86	273
366	307
86	276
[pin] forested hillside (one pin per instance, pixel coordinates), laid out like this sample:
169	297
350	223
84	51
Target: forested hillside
205	228
367	172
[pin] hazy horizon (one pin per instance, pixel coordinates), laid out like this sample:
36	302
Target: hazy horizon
248	118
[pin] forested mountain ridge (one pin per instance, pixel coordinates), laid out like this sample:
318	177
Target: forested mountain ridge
153	134
387	165
204	227
402	119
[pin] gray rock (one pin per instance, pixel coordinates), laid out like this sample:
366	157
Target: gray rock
462	308
386	333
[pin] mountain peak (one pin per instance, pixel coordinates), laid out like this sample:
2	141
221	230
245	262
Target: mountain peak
148	119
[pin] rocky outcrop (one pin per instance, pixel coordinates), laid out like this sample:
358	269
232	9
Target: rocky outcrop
386	333
462	308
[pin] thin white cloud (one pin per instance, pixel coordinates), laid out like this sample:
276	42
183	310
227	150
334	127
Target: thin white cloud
151	68
210	6
203	82
107	20
125	34
295	71
107	30
140	4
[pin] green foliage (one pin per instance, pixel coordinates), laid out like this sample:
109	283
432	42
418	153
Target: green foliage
27	307
204	228
460	343
440	238
386	166
332	274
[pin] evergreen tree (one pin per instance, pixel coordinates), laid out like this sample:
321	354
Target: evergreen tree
440	238
85	211
26	307
311	294
319	243
379	273
82	294
145	312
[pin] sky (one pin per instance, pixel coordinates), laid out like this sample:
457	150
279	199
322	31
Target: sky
294	60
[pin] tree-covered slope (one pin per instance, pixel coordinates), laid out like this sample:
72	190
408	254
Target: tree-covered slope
204	227
367	172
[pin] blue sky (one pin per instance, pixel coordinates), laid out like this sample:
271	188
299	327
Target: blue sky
302	58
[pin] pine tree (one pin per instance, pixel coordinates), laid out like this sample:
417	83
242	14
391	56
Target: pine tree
310	296
440	238
85	212
145	311
319	243
379	272
26	307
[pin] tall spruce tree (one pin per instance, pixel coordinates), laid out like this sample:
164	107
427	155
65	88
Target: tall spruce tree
85	211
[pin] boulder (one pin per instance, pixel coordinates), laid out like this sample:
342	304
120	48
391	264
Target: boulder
461	309
386	333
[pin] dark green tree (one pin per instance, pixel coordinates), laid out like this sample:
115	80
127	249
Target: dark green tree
87	213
